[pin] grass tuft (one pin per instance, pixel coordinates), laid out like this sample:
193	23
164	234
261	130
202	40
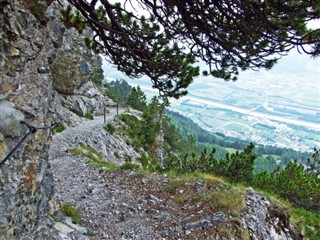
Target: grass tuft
228	200
308	223
95	158
200	197
58	128
68	210
130	166
39	11
174	184
89	116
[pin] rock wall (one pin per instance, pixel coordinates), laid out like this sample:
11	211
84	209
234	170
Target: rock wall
41	64
72	67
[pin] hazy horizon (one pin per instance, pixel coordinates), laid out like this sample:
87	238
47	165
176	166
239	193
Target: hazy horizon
279	107
295	66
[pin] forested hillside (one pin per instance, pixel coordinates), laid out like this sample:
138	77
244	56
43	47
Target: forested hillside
186	148
268	157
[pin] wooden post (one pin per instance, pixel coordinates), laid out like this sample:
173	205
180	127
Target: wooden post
117	109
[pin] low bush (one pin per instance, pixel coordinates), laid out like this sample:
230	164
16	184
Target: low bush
58	128
71	212
89	116
110	128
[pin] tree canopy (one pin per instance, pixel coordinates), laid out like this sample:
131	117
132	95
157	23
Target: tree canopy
137	99
165	43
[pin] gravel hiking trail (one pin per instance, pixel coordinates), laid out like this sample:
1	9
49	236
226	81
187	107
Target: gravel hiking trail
108	205
126	204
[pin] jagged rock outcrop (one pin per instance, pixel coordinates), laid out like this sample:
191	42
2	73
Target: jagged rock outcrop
266	220
72	67
33	88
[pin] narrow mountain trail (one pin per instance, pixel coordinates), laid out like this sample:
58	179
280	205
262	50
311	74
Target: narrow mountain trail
109	206
122	204
126	204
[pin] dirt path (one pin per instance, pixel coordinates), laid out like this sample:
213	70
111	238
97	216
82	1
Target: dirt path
127	205
123	205
108	207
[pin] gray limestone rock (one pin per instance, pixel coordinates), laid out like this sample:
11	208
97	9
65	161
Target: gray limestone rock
265	220
10	118
75	104
27	48
56	31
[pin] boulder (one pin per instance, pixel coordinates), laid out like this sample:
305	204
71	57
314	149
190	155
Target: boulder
67	74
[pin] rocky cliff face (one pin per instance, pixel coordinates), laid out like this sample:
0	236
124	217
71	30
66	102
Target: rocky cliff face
45	76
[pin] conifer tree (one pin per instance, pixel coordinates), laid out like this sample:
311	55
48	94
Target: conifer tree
137	99
229	36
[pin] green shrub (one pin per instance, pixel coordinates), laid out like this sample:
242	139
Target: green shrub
39	11
71	212
294	184
89	116
97	77
237	167
110	128
117	90
149	164
58	128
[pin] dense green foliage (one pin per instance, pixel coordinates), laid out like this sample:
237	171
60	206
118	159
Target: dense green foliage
74	20
144	132
236	167
300	186
97	77
118	90
137	99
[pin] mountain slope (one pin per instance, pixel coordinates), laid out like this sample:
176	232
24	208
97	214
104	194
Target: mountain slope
131	204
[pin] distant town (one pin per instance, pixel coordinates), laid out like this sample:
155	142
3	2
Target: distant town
282	111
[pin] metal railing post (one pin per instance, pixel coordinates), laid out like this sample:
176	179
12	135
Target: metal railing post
32	129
